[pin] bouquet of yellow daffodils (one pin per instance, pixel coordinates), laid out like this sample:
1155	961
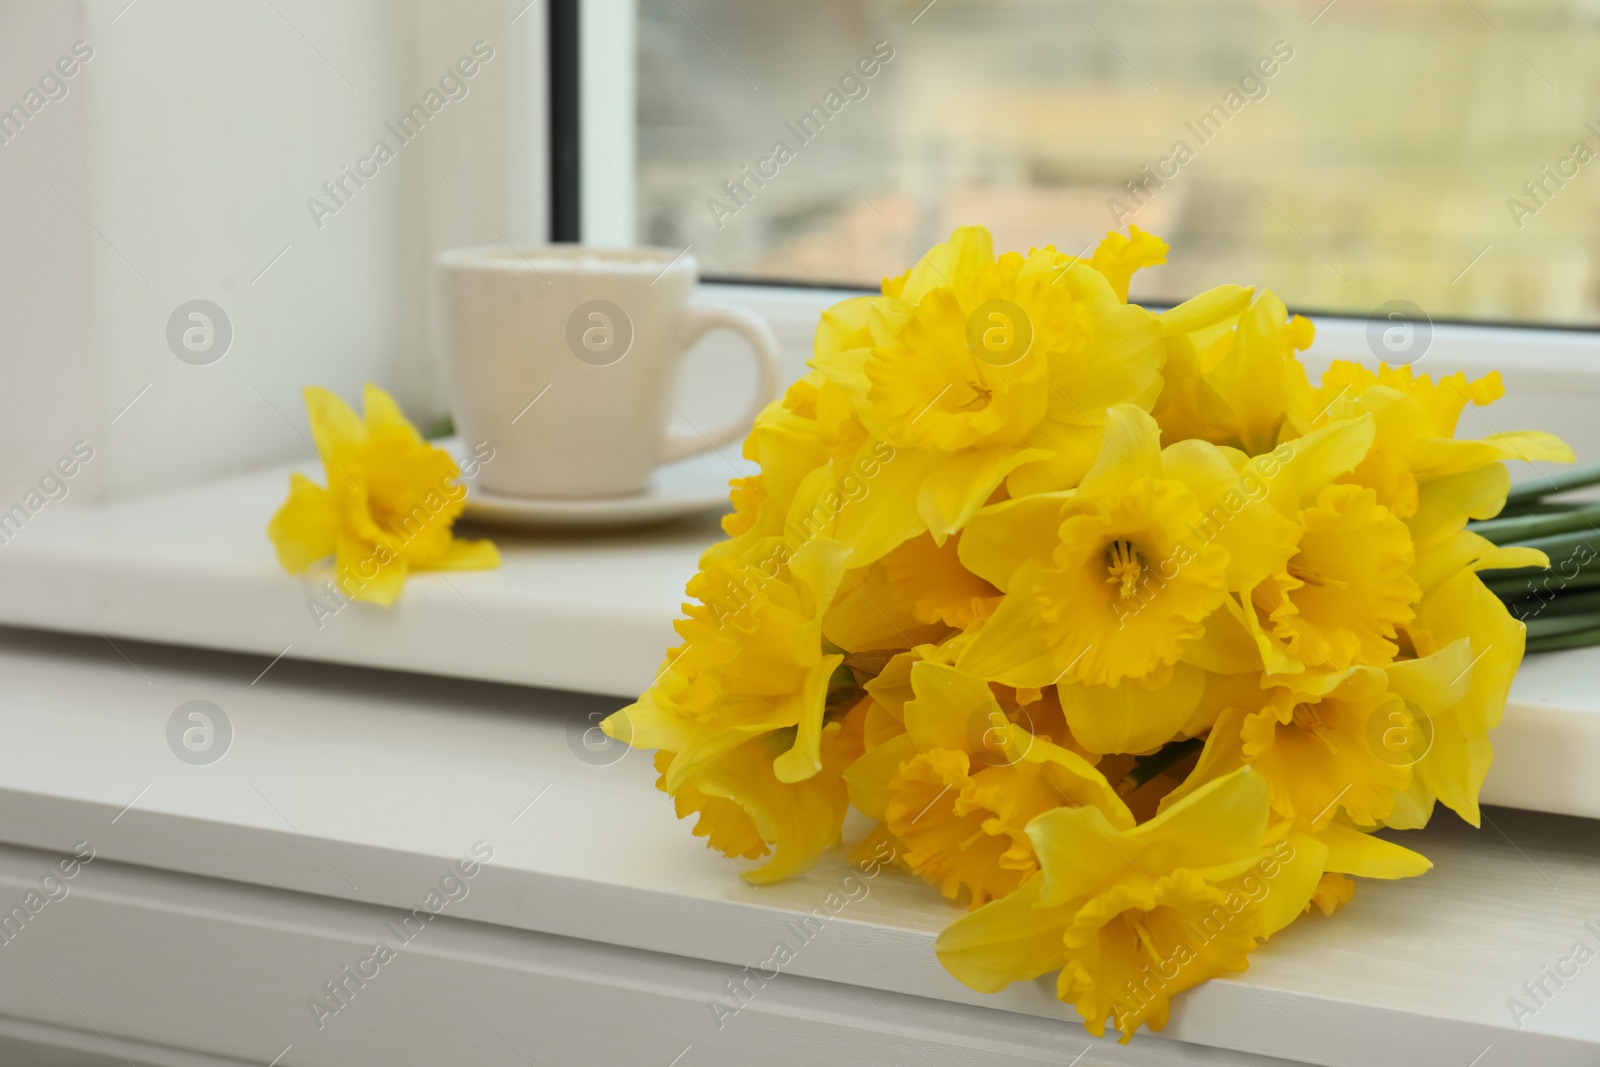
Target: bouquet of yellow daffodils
1123	634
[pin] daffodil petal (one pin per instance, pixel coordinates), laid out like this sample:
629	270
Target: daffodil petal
1443	455
1077	780
1228	646
868	777
1131	716
1119	256
805	758
956	488
1434	682
1001	537
1234	513
1293	884
382	588
1445	504
1219	306
463	555
334	426
1007	940
1222	821
1366	856
383	415
1012	647
306	528
1120	365
1079	850
1131	450
1468	549
1222	755
648	723
1071	452
949	706
969	248
799	820
1315	461
888	515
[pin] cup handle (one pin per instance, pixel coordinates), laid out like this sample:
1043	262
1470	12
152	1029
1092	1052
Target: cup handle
700	319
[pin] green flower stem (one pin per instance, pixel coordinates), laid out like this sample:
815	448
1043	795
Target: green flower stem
1541	508
1540	488
1562	625
1529	608
1562	546
1577	639
1515	585
1519	528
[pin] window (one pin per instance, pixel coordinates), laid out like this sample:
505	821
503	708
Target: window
1446	154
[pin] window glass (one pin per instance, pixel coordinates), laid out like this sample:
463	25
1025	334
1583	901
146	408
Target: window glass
1348	155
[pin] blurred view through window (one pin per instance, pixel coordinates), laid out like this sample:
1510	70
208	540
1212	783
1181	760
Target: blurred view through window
1445	152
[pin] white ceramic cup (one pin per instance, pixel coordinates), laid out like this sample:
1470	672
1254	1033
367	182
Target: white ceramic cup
564	359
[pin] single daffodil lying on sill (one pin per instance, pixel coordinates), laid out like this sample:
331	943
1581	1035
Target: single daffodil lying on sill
389	506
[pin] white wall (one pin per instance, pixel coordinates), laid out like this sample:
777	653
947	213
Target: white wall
46	386
191	142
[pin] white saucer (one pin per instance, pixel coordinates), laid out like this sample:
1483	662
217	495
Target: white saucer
688	487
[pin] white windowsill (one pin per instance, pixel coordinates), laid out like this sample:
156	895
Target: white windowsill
593	613
358	786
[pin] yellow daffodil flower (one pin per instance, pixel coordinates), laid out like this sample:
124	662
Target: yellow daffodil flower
741	703
744	811
1336	743
1313	749
975	370
1133	916
1231	367
793	437
1455	739
1415	422
1119	257
917	594
1347	586
972	769
389	506
1115	578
